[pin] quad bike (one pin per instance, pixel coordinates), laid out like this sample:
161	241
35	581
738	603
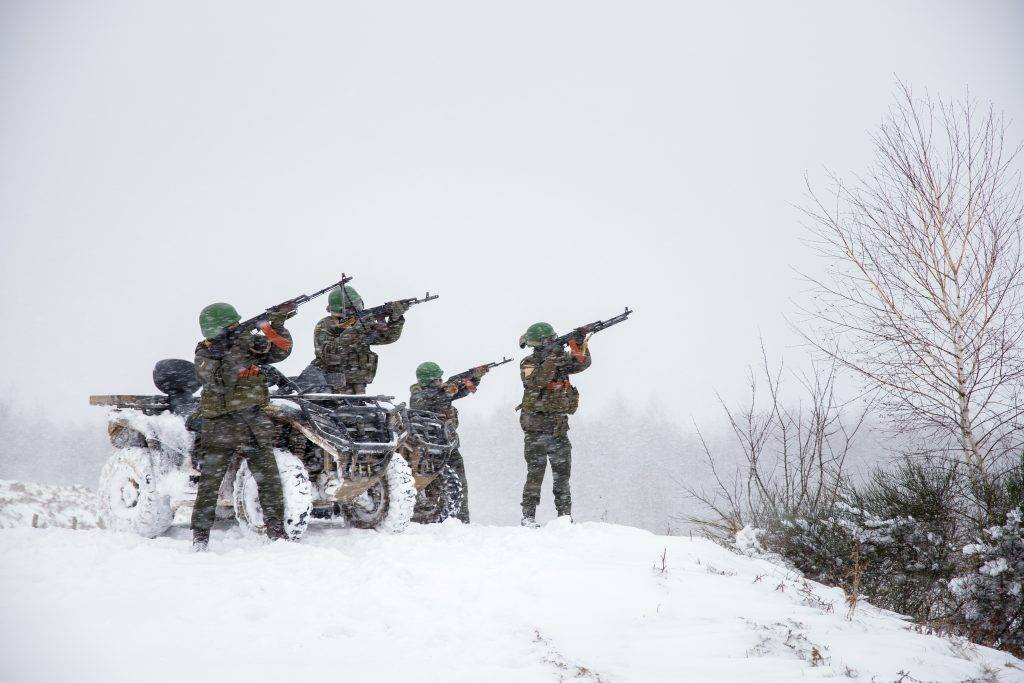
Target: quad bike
336	455
347	446
428	446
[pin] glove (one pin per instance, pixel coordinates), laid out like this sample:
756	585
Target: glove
479	372
279	315
398	309
578	350
251	371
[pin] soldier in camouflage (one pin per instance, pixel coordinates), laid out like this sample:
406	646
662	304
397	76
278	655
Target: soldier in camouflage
342	343
434	394
548	400
232	403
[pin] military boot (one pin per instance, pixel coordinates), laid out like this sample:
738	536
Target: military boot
529	522
200	540
275	530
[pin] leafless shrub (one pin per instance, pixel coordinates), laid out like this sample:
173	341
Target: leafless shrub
719	572
792	456
791	635
854	576
810	598
565	669
662	567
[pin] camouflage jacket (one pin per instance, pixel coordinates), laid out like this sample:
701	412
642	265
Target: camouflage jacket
548	395
342	346
229	385
438	398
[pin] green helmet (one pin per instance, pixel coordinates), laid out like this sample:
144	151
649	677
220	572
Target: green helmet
428	372
537	333
341	299
216	317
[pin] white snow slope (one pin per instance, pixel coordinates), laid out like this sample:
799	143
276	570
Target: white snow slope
23	504
584	602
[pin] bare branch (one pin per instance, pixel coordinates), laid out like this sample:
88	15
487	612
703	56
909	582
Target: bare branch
922	294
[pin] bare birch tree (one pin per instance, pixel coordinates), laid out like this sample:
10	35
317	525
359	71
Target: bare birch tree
921	296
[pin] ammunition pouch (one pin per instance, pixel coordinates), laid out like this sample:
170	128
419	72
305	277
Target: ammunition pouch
559	397
360	368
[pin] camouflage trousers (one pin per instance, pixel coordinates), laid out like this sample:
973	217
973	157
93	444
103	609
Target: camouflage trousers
457	464
250	433
343	387
540	449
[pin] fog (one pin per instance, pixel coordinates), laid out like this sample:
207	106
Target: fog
527	161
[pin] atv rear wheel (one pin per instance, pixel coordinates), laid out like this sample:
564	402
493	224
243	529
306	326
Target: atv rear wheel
298	497
129	497
441	499
388	504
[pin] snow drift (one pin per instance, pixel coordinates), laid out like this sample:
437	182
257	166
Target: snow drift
71	507
588	602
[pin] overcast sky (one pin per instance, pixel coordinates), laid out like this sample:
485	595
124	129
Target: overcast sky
528	161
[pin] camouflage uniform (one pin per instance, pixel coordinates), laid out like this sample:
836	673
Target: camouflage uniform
343	354
548	400
234	395
437	398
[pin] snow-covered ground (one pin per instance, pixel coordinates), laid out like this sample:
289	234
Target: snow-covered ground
587	602
25	504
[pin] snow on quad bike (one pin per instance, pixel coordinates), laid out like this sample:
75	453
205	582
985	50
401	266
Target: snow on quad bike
347	444
336	455
427	448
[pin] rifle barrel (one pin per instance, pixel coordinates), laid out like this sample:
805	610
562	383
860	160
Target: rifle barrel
250	323
467	373
383	309
320	292
590	328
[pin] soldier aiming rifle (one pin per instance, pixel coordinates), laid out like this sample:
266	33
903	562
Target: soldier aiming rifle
436	395
548	400
344	362
234	395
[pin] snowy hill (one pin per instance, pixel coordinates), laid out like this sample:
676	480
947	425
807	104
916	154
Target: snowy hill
587	602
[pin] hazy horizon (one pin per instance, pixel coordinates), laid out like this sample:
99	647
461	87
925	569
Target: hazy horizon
527	162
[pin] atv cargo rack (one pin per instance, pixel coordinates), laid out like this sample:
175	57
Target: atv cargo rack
150	405
359	431
434	439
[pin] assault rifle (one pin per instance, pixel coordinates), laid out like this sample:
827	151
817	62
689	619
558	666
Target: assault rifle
580	333
468	374
288	306
377	314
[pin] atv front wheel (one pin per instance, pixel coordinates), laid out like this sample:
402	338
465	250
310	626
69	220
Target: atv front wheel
129	497
298	497
440	499
388	504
